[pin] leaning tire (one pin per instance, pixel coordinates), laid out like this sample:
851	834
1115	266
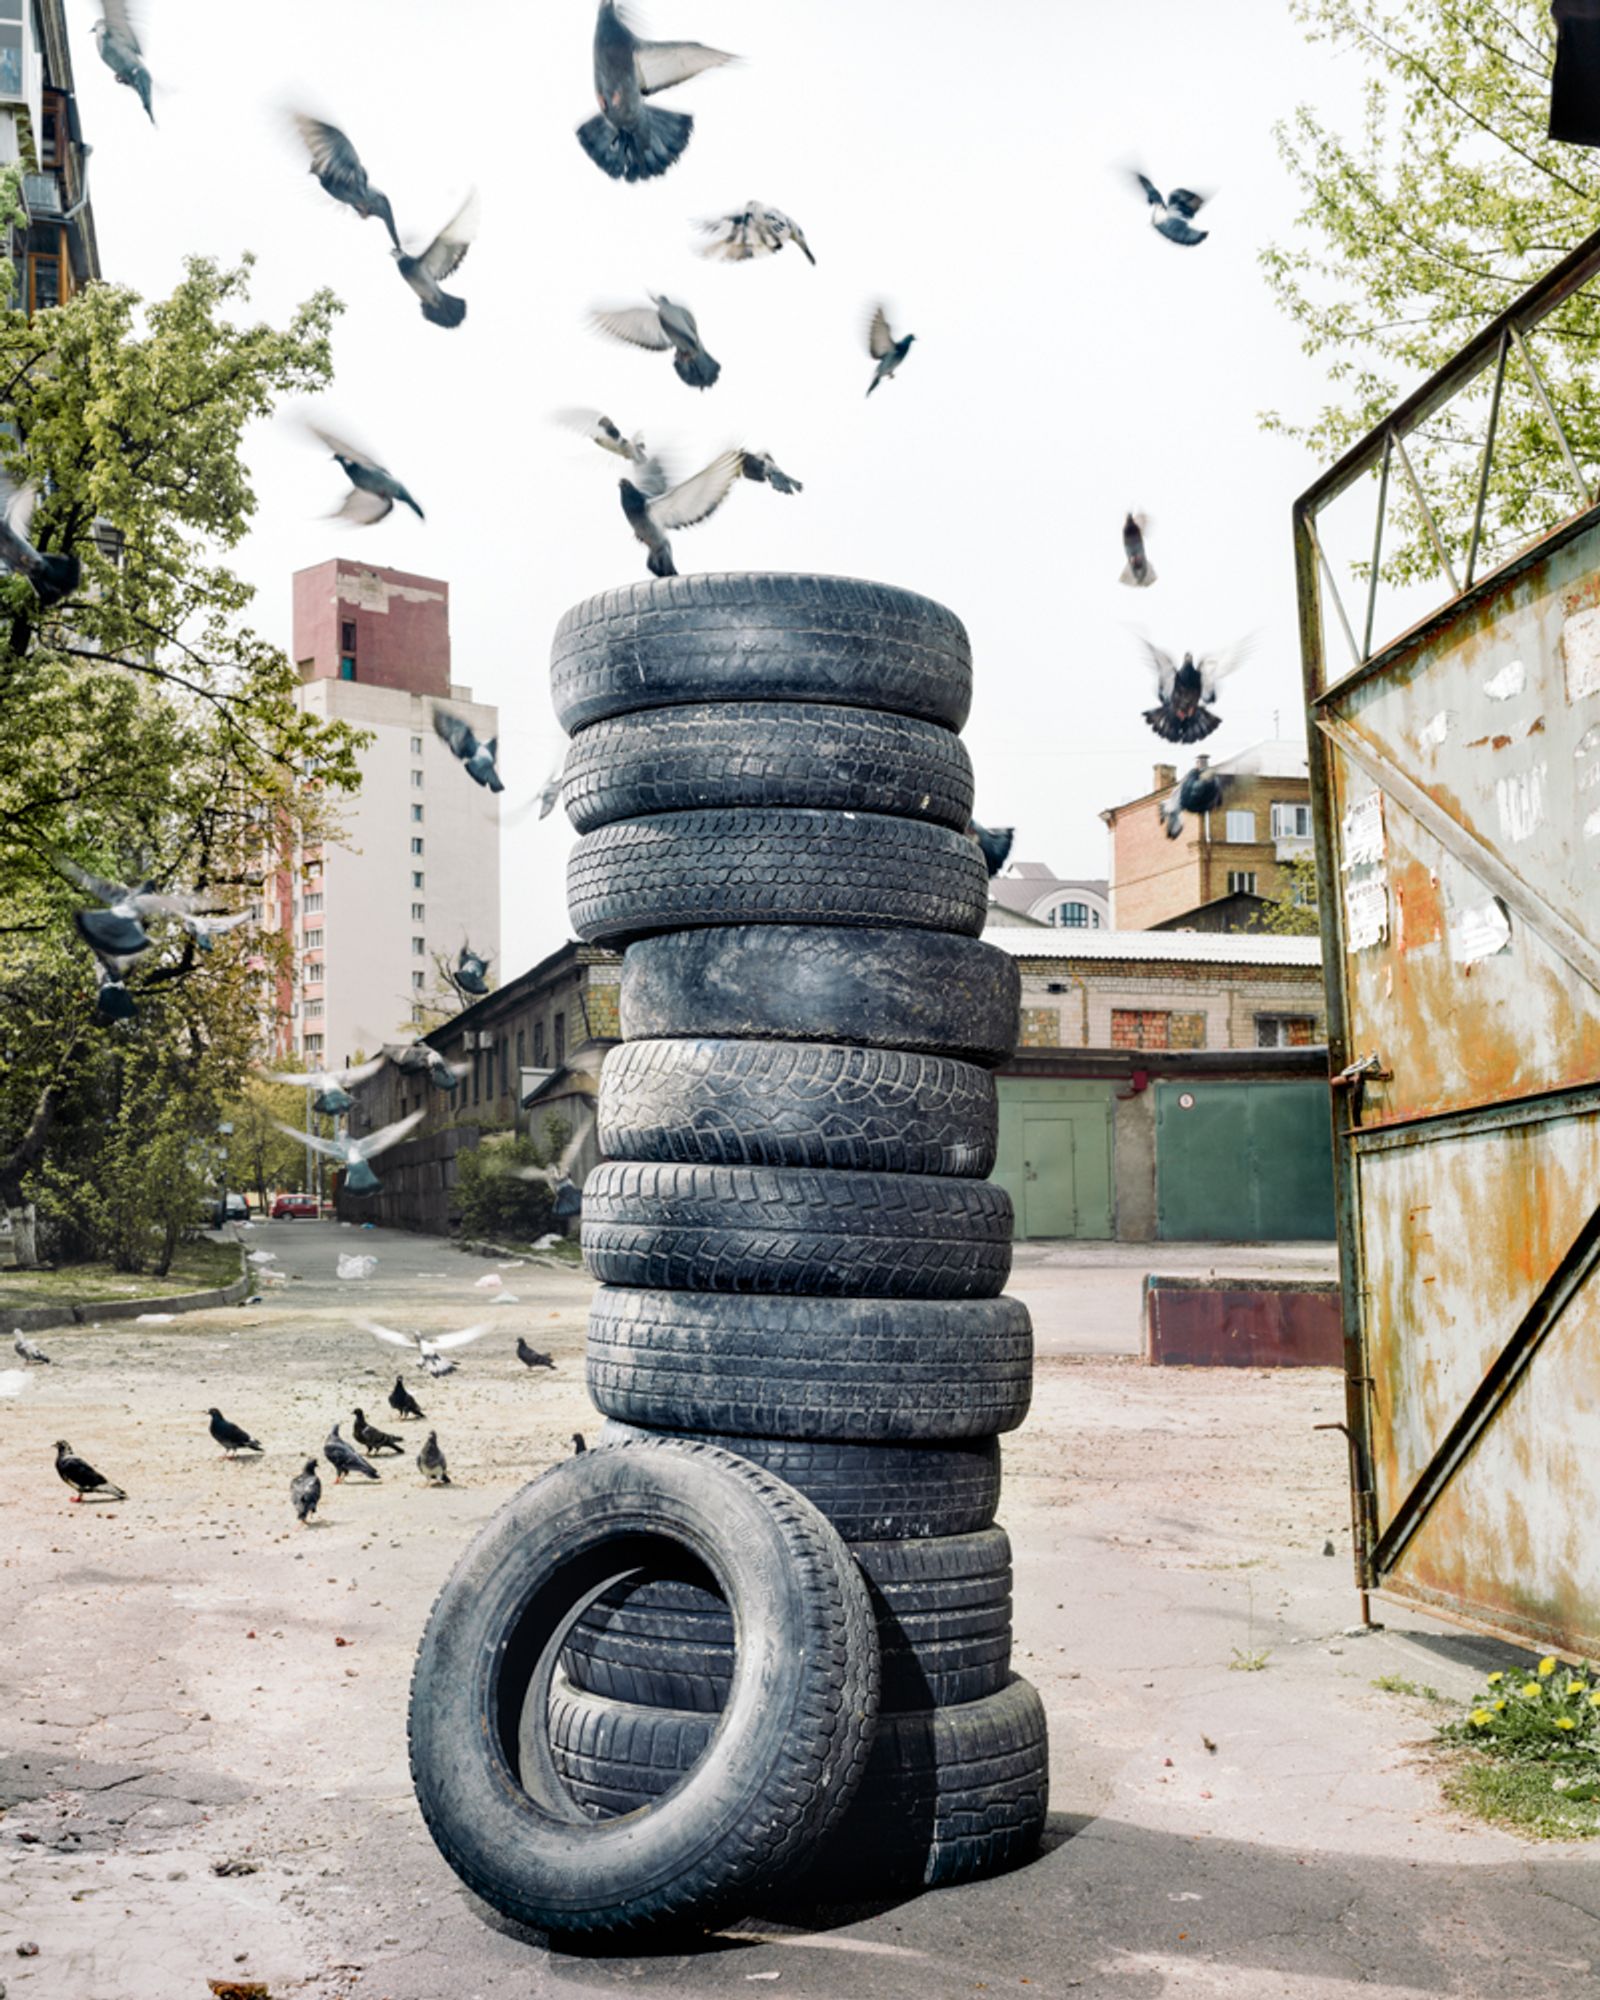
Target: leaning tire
949	1794
793	1229
807	1367
750	753
803	1706
797	1104
681	870
760	638
872	1492
914	989
944	1630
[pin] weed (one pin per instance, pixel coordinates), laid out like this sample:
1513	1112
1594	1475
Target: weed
1397	1684
1249	1663
1531	1752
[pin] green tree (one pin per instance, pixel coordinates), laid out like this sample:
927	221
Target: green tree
258	1155
1293	911
1420	228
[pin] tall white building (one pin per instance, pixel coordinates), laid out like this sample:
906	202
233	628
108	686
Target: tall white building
415	872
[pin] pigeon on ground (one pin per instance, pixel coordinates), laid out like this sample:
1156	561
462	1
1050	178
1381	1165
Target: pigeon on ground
373	488
332	1087
1182	714
1172	216
530	1357
337	166
344	1457
425	273
884	348
430	1461
753	231
995	842
765	470
1137	574
578	1444
477	757
401	1400
1201	791
81	1476
629	139
470	973
684	506
649	474
54	574
26	1349
353	1154
119	48
422	1059
435	1351
232	1439
305	1491
568	1197
659	326
370	1438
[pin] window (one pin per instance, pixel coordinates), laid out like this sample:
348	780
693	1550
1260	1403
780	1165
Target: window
313	1044
1303	889
313	871
1148	1028
416	746
416	873
561	1039
10	53
538	1045
312	905
1241	881
314	1010
416	815
416	848
1075	917
1241	828
313	941
416	781
1286	1031
418	981
51	122
47	277
347	635
1291	822
418	947
417	910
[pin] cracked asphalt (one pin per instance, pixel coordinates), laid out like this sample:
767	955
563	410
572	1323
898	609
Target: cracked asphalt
202	1758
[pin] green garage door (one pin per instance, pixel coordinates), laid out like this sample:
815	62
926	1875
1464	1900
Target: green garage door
1055	1156
1243	1162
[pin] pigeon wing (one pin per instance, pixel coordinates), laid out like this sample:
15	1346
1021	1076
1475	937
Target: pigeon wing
1216	667
342	448
332	154
17	504
699	497
1152	193
640	326
1165	665
1185	202
390	1135
659	65
361	1071
879	336
118	17
362	509
444	254
597	428
336	1149
387	1333
463	1339
456	732
94	885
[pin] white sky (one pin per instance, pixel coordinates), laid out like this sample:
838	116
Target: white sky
958	160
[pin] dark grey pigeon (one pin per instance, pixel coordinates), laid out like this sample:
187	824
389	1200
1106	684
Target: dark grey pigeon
478	757
884	348
425	274
1172	215
765	470
81	1476
752	231
344	1457
694	501
629	139
119	48
649	474
530	1357
112	1000
27	1351
995	842
1183	714
305	1491
430	1461
421	1059
337	166
659	326
471	972
1137	573
401	1400
55	575
1201	791
374	488
232	1439
118	927
370	1438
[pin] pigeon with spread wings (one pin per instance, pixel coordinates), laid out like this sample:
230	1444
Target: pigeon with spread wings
55	574
659	326
629	139
354	1154
422	1059
649	474
118	43
373	487
425	274
752	231
568	1197
1172	216
1184	713
476	755
337	166
332	1087
884	348
683	507
1202	791
434	1352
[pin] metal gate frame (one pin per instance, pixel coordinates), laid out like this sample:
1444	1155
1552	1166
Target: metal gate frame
1383	451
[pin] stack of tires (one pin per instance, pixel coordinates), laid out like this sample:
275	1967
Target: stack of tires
801	1260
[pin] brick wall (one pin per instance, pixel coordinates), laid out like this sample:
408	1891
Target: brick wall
1154	878
1216	1005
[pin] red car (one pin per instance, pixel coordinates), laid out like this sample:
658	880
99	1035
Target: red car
287	1207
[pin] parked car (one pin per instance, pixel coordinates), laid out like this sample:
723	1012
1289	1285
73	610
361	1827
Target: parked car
289	1207
231	1208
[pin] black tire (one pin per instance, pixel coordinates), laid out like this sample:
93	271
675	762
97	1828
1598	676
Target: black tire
797	1104
760	638
872	1492
950	1793
682	870
796	1229
806	1367
944	1630
804	1704
708	755
901	989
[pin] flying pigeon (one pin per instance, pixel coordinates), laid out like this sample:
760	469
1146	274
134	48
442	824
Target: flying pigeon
434	1351
232	1439
649	475
26	1349
442	257
337	166
119	50
421	1059
470	972
478	757
112	1000
305	1491
663	324
81	1476
629	139
430	1461
1138	574
370	1438
765	470
578	1444
1201	791
54	575
374	489
332	1086
995	842
353	1154
530	1357
694	501
117	929
1182	715
568	1197
401	1400
753	231
1173	216
344	1457
884	348
205	930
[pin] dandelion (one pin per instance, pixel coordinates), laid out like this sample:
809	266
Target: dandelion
1500	1704
1565	1722
1547	1667
1531	1689
1480	1718
1594	1699
1495	1680
1576	1687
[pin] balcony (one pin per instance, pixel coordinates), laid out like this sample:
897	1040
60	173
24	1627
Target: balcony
41	195
1293	847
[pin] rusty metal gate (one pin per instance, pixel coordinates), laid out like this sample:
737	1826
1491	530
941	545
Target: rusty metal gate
1456	790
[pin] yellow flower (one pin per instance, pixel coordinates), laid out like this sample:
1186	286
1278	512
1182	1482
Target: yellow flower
1531	1689
1576	1687
1565	1722
1479	1717
1500	1704
1594	1699
1546	1668
1495	1680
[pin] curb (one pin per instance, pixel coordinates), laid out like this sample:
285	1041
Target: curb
33	1319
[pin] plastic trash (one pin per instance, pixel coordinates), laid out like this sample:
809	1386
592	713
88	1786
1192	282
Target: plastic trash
489	1282
154	1319
356	1267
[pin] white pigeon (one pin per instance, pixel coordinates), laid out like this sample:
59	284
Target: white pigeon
26	1348
752	231
353	1154
435	1352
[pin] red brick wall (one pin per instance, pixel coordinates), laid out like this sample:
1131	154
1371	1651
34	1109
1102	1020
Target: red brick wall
402	625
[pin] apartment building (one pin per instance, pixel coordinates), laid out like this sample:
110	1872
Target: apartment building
53	247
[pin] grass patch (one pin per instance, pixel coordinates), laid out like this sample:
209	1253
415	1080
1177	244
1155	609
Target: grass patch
1398	1684
1528	1752
1523	1797
1249	1663
199	1266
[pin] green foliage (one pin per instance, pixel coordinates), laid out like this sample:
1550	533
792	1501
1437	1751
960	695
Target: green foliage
494	1201
1398	1684
257	1156
1533	1744
1293	913
1253	1661
1421	227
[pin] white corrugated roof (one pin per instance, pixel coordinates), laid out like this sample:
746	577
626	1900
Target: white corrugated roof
1196	947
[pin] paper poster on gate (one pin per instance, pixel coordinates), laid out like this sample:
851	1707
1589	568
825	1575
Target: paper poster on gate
1364	844
1366	913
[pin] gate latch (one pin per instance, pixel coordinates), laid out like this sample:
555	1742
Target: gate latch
1369	1069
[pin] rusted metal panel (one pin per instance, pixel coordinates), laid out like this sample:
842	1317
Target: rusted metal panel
1285	1323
